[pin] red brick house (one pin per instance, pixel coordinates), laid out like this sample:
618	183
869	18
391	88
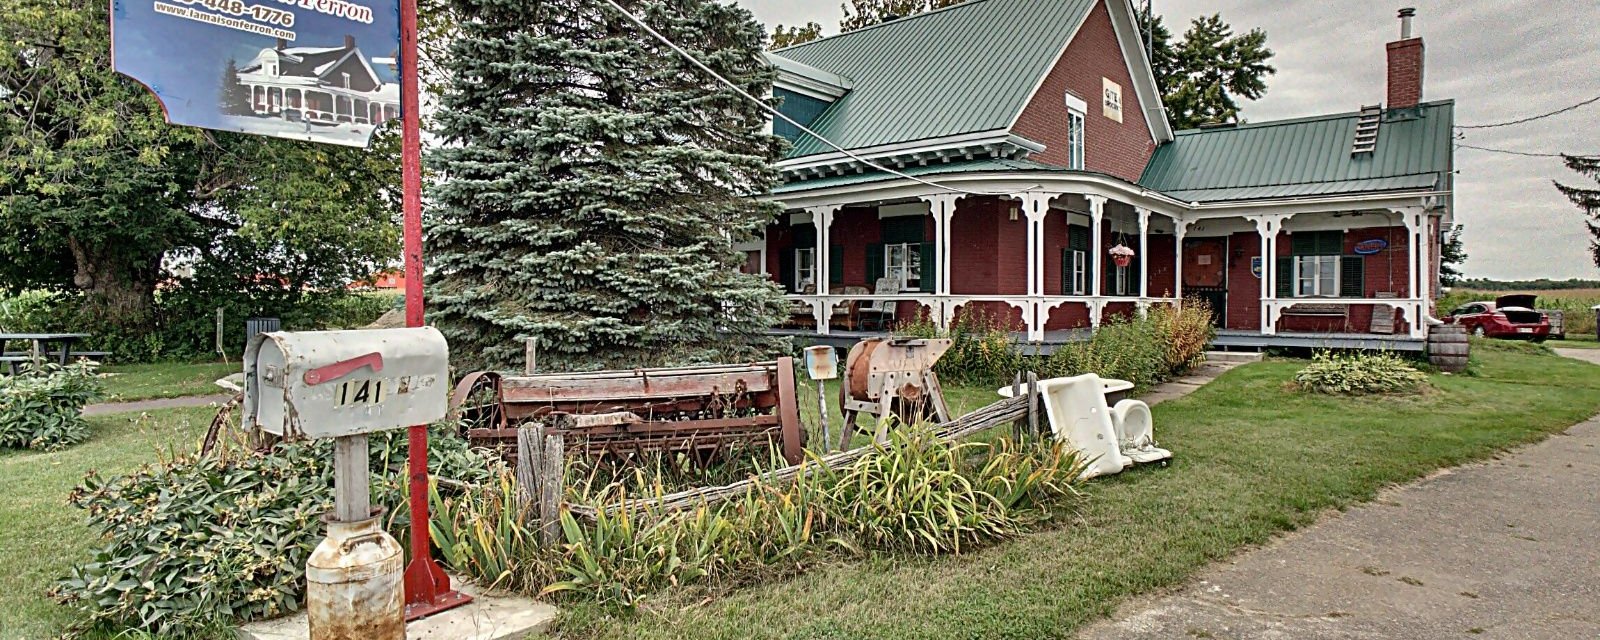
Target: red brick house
1040	149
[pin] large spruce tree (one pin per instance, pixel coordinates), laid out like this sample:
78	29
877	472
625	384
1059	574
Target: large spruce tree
594	184
1587	199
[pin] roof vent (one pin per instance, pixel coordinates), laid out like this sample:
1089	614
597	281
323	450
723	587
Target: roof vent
1367	130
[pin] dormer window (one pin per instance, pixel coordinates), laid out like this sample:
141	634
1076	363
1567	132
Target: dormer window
1076	108
346	80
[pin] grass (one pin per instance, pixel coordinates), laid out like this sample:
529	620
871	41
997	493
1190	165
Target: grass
40	536
1253	461
164	380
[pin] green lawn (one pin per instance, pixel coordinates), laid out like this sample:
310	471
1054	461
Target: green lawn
1576	341
165	380
1253	461
40	536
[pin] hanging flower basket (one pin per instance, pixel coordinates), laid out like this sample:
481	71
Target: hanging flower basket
1122	255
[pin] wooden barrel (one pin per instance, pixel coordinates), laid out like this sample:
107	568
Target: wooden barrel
1448	347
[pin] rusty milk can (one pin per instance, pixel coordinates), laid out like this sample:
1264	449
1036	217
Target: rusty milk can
353	583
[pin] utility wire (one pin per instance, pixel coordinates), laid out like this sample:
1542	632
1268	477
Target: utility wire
1542	116
775	112
1528	154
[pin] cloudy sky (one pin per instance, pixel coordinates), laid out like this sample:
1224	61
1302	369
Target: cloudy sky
1499	59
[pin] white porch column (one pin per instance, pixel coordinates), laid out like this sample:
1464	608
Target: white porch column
1180	228
822	218
1097	214
943	209
1264	228
1144	253
1416	221
1035	206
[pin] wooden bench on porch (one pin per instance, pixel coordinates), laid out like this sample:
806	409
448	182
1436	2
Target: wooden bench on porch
1318	310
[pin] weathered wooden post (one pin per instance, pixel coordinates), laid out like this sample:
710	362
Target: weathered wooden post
552	485
1033	405
530	355
1017	426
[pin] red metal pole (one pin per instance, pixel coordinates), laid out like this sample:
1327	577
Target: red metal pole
427	587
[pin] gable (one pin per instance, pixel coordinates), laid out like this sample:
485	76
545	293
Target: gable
965	69
1094	56
362	77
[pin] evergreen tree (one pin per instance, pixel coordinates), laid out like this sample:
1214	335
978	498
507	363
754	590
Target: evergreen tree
1451	257
783	36
595	183
234	100
1202	76
1587	199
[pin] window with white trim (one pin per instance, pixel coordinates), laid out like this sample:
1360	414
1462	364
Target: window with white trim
805	268
1316	276
1076	108
1080	273
903	262
1119	282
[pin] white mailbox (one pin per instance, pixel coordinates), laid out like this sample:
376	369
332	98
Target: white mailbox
328	384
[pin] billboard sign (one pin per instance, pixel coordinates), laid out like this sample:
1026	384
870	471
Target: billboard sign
318	70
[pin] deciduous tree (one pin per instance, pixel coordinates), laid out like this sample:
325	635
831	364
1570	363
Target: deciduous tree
596	183
783	36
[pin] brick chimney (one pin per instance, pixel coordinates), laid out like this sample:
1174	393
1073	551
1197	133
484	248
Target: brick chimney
350	42
1405	65
282	44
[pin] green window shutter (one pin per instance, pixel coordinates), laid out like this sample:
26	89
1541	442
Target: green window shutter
786	271
875	268
1133	277
1317	243
1330	243
835	264
1352	277
1286	276
930	267
805	236
1078	238
1066	267
903	230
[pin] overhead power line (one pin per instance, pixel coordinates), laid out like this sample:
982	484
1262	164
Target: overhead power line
1541	116
1528	154
778	114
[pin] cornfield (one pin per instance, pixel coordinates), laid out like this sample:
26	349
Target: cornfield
1576	305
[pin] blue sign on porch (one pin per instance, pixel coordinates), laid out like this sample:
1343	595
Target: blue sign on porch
318	70
1371	247
1255	266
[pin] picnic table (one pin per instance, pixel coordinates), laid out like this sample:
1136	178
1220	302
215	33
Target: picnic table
39	347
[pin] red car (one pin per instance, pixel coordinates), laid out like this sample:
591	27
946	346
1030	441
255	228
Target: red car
1510	316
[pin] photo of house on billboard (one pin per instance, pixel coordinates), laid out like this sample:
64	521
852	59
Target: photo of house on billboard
316	71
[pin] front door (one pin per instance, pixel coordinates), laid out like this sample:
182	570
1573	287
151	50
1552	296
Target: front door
1205	274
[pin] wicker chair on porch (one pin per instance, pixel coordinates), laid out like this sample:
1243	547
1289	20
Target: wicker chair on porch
848	313
882	310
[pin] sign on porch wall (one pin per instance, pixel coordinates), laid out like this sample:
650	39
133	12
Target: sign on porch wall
1371	247
317	70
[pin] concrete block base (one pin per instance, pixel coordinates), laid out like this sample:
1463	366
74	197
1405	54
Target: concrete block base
487	617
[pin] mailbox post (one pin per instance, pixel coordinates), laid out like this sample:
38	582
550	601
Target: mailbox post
345	385
822	365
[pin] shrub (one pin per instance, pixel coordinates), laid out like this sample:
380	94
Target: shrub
43	408
198	541
1357	374
1145	351
982	350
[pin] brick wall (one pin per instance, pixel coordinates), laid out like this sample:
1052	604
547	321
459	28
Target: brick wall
1119	149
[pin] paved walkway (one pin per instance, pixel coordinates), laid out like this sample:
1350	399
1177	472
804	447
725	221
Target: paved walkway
151	405
1503	549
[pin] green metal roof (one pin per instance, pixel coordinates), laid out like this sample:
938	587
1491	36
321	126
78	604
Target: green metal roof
1305	157
968	68
987	165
